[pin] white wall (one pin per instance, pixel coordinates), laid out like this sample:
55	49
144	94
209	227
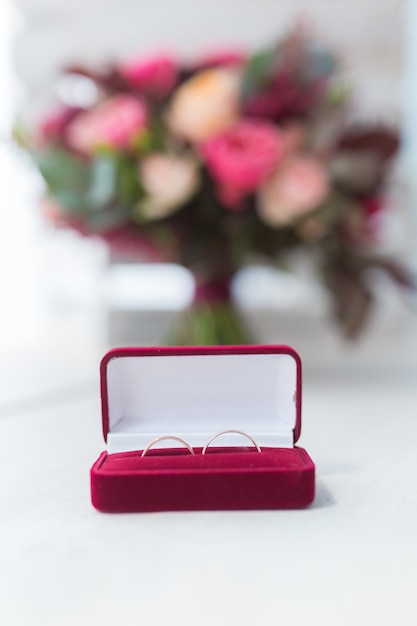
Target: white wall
369	34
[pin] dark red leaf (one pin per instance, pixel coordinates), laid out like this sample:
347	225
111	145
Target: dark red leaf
382	141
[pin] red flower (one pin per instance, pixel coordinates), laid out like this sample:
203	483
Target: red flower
222	58
155	76
364	224
284	97
372	206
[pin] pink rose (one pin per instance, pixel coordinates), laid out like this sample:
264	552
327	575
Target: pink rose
241	158
296	187
114	123
155	76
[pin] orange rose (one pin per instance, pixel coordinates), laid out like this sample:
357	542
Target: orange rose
205	105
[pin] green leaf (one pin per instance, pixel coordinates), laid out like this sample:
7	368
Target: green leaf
143	142
258	71
129	189
103	181
352	298
320	63
21	136
61	170
339	91
72	201
108	218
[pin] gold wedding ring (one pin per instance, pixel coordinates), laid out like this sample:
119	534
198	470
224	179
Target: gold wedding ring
223	432
163	438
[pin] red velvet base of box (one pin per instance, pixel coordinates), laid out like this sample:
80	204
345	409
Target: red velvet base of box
222	479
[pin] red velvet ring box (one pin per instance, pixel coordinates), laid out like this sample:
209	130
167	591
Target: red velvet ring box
194	393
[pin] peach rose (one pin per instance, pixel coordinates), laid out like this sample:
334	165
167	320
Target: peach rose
169	181
296	187
205	105
154	75
115	123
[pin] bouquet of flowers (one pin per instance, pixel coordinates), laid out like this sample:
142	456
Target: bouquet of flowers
230	160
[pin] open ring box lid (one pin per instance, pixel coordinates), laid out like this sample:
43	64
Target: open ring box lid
194	393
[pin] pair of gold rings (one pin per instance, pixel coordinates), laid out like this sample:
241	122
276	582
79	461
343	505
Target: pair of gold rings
204	450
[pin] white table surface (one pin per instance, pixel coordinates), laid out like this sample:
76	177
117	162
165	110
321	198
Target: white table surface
351	558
